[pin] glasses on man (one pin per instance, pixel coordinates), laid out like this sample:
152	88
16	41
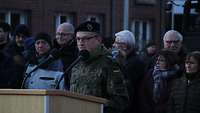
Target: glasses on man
63	34
121	45
85	38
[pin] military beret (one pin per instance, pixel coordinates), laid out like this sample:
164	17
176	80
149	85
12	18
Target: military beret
89	26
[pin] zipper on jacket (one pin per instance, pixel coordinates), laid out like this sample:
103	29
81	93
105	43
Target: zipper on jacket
186	96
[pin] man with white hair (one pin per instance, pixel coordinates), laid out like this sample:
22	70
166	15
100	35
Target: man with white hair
173	40
132	65
64	33
66	43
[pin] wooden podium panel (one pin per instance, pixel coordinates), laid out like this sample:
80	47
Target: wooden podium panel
48	101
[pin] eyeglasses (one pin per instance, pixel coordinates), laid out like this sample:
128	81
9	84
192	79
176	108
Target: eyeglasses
63	34
172	41
121	45
85	38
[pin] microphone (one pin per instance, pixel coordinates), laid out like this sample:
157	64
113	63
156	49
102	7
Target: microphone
54	54
83	56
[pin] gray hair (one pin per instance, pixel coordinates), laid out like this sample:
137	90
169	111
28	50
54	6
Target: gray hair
67	26
175	33
127	37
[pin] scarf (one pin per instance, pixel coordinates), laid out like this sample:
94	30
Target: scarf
160	78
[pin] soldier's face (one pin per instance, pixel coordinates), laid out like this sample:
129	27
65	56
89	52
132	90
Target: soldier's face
87	40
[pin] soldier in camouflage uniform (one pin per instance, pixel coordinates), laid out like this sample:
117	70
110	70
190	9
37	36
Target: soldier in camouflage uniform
98	75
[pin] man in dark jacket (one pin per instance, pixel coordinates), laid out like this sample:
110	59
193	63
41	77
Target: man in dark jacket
66	43
16	48
10	74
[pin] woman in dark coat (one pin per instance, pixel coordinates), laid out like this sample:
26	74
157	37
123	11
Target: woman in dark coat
185	93
154	90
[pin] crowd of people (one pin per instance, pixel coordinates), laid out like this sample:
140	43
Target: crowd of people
158	80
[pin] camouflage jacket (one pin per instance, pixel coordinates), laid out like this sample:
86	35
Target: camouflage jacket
100	76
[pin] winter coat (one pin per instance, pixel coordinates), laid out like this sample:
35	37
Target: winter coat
155	89
46	76
99	76
133	69
10	74
185	95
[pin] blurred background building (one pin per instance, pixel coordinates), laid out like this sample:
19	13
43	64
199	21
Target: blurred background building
147	19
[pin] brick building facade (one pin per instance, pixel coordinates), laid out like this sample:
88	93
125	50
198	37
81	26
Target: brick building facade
45	15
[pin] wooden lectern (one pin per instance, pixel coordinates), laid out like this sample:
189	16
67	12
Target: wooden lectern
48	101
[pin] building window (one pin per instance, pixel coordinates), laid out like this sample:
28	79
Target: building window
14	17
143	32
61	18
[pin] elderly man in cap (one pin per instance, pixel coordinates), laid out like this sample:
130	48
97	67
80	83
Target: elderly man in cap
98	75
131	63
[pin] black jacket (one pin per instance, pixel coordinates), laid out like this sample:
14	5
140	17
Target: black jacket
68	54
185	96
10	73
133	69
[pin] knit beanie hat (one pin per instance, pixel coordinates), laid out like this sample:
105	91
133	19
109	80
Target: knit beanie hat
22	29
44	36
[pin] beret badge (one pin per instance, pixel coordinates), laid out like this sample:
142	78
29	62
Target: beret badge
89	27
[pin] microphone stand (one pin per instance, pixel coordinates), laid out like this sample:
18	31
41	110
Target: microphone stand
28	75
83	55
53	55
67	71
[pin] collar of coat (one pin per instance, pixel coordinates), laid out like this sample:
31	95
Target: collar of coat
98	52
